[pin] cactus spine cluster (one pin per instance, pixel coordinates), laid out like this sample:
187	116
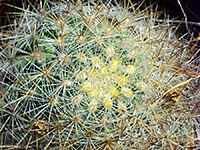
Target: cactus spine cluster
95	75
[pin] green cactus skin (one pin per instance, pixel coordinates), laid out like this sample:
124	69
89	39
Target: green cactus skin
96	75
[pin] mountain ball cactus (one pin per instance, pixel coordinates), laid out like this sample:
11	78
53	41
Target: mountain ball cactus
96	75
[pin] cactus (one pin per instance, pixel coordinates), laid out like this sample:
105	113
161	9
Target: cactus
97	75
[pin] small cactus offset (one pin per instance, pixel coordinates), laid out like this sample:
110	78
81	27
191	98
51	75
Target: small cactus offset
97	75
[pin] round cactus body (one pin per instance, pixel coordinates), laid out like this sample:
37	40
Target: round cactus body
96	75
